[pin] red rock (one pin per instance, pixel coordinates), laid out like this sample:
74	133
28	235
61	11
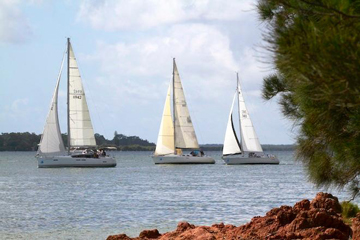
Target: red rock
149	234
118	237
303	205
315	220
298	224
285	216
327	201
183	226
356	227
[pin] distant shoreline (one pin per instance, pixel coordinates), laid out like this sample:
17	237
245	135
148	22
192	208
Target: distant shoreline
267	147
29	142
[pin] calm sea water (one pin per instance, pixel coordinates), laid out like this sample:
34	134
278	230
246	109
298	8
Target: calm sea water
92	203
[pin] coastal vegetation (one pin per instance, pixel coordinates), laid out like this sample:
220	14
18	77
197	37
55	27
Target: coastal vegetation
316	54
348	211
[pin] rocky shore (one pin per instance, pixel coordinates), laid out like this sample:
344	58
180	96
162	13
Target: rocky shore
315	220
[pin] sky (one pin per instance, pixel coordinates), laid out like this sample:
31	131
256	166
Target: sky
124	50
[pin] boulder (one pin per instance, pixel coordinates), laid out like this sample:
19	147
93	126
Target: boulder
149	234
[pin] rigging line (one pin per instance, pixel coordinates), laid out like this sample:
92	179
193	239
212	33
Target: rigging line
199	129
96	111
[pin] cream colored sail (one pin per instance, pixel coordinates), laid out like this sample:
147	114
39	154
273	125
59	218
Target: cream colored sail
81	130
51	142
185	136
249	139
231	142
165	141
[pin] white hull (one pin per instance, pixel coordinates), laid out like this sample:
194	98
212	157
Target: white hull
68	161
182	159
240	159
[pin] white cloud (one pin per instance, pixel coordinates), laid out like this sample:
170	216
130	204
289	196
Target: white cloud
22	115
17	110
203	56
37	2
135	75
115	15
127	75
19	104
14	26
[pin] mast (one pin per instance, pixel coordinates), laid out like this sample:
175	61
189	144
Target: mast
68	94
173	83
237	93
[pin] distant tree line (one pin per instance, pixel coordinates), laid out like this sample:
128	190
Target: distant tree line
29	142
19	141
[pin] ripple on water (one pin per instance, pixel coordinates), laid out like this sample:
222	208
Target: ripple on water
75	203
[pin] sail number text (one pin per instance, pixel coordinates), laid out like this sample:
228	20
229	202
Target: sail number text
77	92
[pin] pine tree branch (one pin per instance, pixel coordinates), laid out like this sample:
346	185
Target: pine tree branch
330	8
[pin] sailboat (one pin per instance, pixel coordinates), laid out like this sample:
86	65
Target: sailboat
51	151
177	133
248	150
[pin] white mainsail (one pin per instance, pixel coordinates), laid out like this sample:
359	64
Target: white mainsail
165	142
185	137
81	130
231	142
249	139
51	142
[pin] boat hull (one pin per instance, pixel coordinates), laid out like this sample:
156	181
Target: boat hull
236	160
68	161
182	159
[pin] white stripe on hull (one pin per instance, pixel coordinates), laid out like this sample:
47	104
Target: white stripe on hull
234	160
184	159
68	161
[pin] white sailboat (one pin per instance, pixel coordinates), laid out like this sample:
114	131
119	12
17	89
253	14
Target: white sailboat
178	134
249	150
51	152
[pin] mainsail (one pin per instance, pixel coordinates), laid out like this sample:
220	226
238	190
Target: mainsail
165	142
51	142
185	137
81	130
249	139
231	142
